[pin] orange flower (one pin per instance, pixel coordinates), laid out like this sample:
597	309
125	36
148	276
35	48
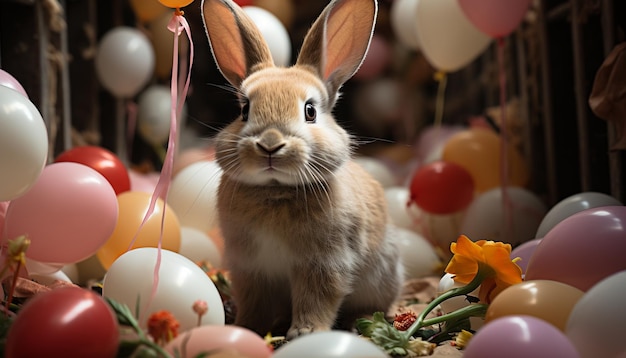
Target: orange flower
163	326
502	272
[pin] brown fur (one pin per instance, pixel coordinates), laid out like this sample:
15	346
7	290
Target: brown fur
306	235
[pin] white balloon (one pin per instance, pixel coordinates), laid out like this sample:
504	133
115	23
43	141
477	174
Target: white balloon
485	217
378	170
71	271
597	322
401	215
198	246
23	144
447	38
330	344
154	114
571	205
34	267
193	195
417	254
181	283
403	24
455	303
50	278
124	61
273	32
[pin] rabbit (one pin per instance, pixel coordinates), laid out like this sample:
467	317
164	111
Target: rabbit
306	234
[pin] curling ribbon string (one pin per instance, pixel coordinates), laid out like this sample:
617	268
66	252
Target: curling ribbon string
442	79
504	143
177	25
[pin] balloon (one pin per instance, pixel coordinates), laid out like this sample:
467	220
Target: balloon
550	301
447	39
597	323
440	230
162	40
485	218
430	143
524	252
284	10
273	32
67	215
193	195
442	188
181	283
23	144
101	160
205	339
478	151
377	59
34	267
378	170
132	209
197	247
495	18
403	24
64	322
175	3
455	303
143	182
4	205
153	114
147	11
582	249
397	199
519	337
330	344
6	80
192	155
124	61
572	205
417	254
50	278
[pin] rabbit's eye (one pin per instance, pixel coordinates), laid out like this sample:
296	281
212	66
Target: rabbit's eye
310	113
245	109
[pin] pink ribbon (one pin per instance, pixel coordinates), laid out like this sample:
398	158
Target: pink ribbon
177	25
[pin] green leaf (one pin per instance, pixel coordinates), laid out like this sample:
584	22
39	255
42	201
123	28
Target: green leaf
124	316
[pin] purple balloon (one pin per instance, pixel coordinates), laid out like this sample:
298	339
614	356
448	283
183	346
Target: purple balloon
9	81
519	337
582	249
524	252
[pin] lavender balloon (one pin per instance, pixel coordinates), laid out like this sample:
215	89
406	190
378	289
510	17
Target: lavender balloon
519	337
524	252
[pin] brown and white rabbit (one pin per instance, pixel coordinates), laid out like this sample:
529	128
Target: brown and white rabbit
305	229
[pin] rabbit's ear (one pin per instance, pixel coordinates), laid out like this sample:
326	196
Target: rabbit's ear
236	43
337	42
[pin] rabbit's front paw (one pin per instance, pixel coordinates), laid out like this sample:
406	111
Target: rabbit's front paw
299	330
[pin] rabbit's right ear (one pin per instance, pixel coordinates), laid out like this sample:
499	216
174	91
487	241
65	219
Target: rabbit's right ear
236	43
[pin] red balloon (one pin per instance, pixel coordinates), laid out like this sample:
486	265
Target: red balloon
243	3
442	188
65	322
102	161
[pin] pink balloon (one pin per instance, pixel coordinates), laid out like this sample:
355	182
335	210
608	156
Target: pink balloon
68	214
143	182
7	80
524	252
377	59
582	249
208	338
519	337
496	18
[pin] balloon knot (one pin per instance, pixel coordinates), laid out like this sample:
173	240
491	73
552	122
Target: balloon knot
179	12
439	75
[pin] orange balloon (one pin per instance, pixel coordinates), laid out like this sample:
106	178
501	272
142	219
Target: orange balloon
175	3
550	301
133	205
478	151
147	10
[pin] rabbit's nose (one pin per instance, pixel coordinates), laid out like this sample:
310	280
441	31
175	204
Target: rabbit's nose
271	141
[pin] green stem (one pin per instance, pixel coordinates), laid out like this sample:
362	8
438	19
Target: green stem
483	272
467	311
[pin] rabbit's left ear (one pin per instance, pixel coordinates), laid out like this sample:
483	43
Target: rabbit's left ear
338	41
236	43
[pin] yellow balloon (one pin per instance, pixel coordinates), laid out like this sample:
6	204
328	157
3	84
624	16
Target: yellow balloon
550	301
478	151
132	208
175	3
147	10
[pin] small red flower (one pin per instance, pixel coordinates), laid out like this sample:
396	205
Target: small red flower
403	321
163	326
